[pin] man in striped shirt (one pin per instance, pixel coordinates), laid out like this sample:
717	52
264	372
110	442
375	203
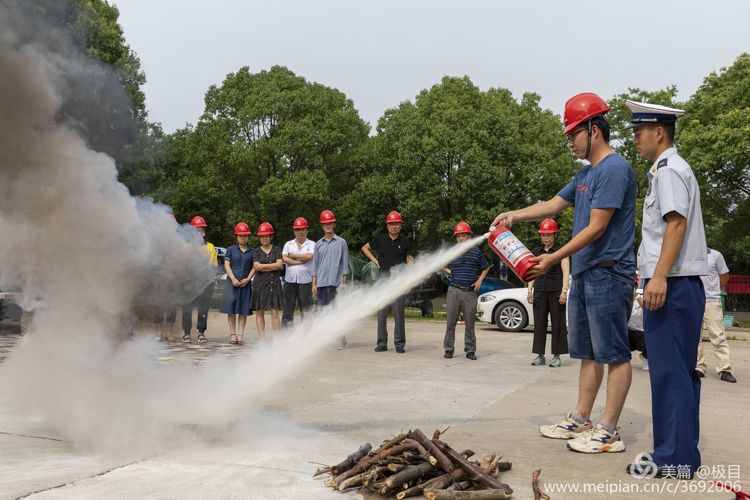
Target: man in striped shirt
466	275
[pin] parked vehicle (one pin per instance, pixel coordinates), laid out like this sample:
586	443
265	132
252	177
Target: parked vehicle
506	308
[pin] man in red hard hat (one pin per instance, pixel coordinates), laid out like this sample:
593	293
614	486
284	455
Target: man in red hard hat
298	257
392	249
330	264
203	301
601	293
466	275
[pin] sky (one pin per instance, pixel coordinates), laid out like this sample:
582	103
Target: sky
381	53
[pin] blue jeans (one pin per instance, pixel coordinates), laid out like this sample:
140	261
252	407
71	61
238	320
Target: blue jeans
599	307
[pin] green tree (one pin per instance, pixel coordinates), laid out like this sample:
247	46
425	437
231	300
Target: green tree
715	140
269	146
457	153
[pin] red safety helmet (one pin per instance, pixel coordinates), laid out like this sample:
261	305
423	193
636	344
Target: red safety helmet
326	217
393	216
300	223
265	229
198	221
462	228
582	107
548	226
242	229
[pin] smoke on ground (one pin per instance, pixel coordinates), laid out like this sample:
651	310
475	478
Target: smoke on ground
75	241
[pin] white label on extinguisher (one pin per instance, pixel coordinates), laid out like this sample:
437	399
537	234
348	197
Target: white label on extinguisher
511	247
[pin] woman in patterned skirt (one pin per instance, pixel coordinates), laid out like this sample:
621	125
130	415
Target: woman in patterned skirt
267	263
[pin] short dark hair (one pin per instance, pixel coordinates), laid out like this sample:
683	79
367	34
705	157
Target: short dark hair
603	125
668	130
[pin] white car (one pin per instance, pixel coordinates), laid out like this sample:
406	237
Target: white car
508	309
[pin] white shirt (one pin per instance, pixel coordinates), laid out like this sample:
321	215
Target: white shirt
300	273
716	267
672	188
636	317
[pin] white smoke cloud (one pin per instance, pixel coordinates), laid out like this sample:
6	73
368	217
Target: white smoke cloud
73	239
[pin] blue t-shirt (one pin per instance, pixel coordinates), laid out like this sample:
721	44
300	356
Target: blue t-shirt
466	268
611	184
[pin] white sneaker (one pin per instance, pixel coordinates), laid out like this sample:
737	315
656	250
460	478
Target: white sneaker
567	428
599	440
644	366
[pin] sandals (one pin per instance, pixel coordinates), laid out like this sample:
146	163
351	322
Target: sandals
240	340
187	339
201	338
233	336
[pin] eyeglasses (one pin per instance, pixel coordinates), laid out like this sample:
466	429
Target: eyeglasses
572	136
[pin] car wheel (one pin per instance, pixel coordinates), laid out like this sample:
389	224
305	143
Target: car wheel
511	317
426	308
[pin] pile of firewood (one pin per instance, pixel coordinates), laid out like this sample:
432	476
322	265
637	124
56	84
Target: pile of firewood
412	464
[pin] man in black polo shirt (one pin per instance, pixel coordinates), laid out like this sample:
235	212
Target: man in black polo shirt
392	249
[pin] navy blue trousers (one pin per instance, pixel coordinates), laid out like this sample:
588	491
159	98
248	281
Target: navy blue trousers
672	335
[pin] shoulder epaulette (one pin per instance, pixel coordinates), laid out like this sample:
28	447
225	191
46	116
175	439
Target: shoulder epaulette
662	163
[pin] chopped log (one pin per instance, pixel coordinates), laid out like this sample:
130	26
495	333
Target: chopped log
433	450
396	467
411	492
466	495
352	482
408	474
321	470
538	493
365	463
460	486
474	472
445	480
351	460
488	462
391	443
418	446
372	475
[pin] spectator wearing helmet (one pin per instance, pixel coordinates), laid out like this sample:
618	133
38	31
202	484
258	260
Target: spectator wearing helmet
238	263
603	193
549	294
392	249
466	275
298	257
267	295
330	264
203	301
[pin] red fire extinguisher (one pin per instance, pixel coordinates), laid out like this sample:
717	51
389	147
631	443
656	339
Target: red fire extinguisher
514	253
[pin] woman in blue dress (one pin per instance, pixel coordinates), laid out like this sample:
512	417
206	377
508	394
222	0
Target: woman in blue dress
238	263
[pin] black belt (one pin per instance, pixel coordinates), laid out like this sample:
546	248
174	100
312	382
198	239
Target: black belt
463	288
606	264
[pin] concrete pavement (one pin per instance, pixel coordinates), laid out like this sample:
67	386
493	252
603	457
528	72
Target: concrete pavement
354	396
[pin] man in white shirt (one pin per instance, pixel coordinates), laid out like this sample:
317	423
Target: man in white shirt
298	257
713	317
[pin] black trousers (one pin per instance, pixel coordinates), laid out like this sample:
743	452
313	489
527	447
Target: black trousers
202	302
548	304
637	341
296	294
